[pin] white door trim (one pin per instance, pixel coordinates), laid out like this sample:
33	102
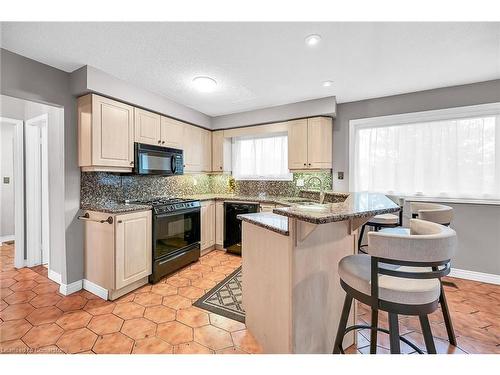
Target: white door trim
18	191
37	195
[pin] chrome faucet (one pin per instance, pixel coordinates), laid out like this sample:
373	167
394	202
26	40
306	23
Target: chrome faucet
321	189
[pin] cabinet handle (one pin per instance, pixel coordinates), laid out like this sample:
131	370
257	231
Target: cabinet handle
131	163
119	221
86	217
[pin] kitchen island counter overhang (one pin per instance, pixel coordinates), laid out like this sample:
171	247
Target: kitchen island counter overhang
291	290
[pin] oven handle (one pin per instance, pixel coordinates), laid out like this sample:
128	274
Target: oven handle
185	211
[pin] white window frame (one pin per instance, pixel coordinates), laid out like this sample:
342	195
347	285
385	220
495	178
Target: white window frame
481	110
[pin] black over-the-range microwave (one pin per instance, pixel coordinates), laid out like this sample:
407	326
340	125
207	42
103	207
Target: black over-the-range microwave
149	159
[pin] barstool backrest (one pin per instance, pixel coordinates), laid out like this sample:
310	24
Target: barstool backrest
437	213
427	242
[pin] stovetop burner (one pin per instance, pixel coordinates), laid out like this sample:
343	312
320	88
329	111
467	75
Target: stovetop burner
167	204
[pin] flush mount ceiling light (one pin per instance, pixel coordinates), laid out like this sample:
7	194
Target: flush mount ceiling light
204	84
327	83
313	40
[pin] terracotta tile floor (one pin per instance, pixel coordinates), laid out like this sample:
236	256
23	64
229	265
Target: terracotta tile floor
35	318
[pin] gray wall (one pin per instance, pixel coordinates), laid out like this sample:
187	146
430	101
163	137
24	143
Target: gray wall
316	107
28	79
477	226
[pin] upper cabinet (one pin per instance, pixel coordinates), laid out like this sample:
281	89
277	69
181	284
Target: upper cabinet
310	143
147	127
106	134
171	132
221	152
206	146
197	146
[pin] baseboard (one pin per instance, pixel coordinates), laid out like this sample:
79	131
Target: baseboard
7	239
67	289
99	291
54	276
475	276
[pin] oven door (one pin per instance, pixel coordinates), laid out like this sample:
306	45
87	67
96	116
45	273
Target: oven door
175	231
157	160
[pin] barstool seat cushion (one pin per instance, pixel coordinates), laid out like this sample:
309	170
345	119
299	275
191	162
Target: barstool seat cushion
384	219
397	230
355	271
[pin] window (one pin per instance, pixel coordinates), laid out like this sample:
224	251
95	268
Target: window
452	153
263	157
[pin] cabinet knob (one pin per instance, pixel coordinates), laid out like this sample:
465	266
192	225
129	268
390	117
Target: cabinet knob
162	142
305	164
131	163
220	167
309	164
159	141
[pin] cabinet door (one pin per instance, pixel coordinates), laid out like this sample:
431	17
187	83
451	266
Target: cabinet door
219	223
171	133
297	144
221	152
192	148
319	139
147	127
112	133
207	224
206	160
133	249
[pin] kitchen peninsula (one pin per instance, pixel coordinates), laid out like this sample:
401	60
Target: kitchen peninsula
291	290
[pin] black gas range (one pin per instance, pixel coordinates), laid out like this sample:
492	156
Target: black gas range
176	234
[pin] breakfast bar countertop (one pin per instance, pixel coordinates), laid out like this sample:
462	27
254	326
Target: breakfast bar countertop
356	205
268	220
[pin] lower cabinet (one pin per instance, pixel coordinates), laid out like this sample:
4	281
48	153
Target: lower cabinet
207	226
118	252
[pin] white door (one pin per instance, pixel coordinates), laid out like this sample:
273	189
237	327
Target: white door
37	196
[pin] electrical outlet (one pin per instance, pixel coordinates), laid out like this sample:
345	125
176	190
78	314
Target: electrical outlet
6	180
300	182
340	175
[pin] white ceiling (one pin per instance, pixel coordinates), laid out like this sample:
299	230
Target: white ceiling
259	65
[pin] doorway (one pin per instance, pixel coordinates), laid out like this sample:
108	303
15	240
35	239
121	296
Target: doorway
12	185
37	191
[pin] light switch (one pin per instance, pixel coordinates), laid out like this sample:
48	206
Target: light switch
6	180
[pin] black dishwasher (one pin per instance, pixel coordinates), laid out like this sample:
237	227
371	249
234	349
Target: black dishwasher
232	225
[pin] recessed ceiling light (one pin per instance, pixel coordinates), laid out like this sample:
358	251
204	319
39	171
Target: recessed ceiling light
327	83
205	84
313	40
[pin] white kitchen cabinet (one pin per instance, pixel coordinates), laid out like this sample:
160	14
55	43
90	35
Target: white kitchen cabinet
118	252
147	127
105	134
310	143
207	226
191	142
171	132
206	147
221	152
219	224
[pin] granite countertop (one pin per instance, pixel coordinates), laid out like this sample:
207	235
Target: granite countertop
268	220
114	207
356	205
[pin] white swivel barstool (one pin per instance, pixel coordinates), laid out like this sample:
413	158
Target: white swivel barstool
383	220
401	276
440	214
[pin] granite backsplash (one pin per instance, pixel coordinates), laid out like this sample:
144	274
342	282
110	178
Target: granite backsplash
102	187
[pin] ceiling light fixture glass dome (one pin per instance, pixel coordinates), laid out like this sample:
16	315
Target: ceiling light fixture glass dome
204	84
313	40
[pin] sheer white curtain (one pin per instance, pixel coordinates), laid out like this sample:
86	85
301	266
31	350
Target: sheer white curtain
261	157
457	158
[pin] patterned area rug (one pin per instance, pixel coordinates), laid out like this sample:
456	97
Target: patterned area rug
225	298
